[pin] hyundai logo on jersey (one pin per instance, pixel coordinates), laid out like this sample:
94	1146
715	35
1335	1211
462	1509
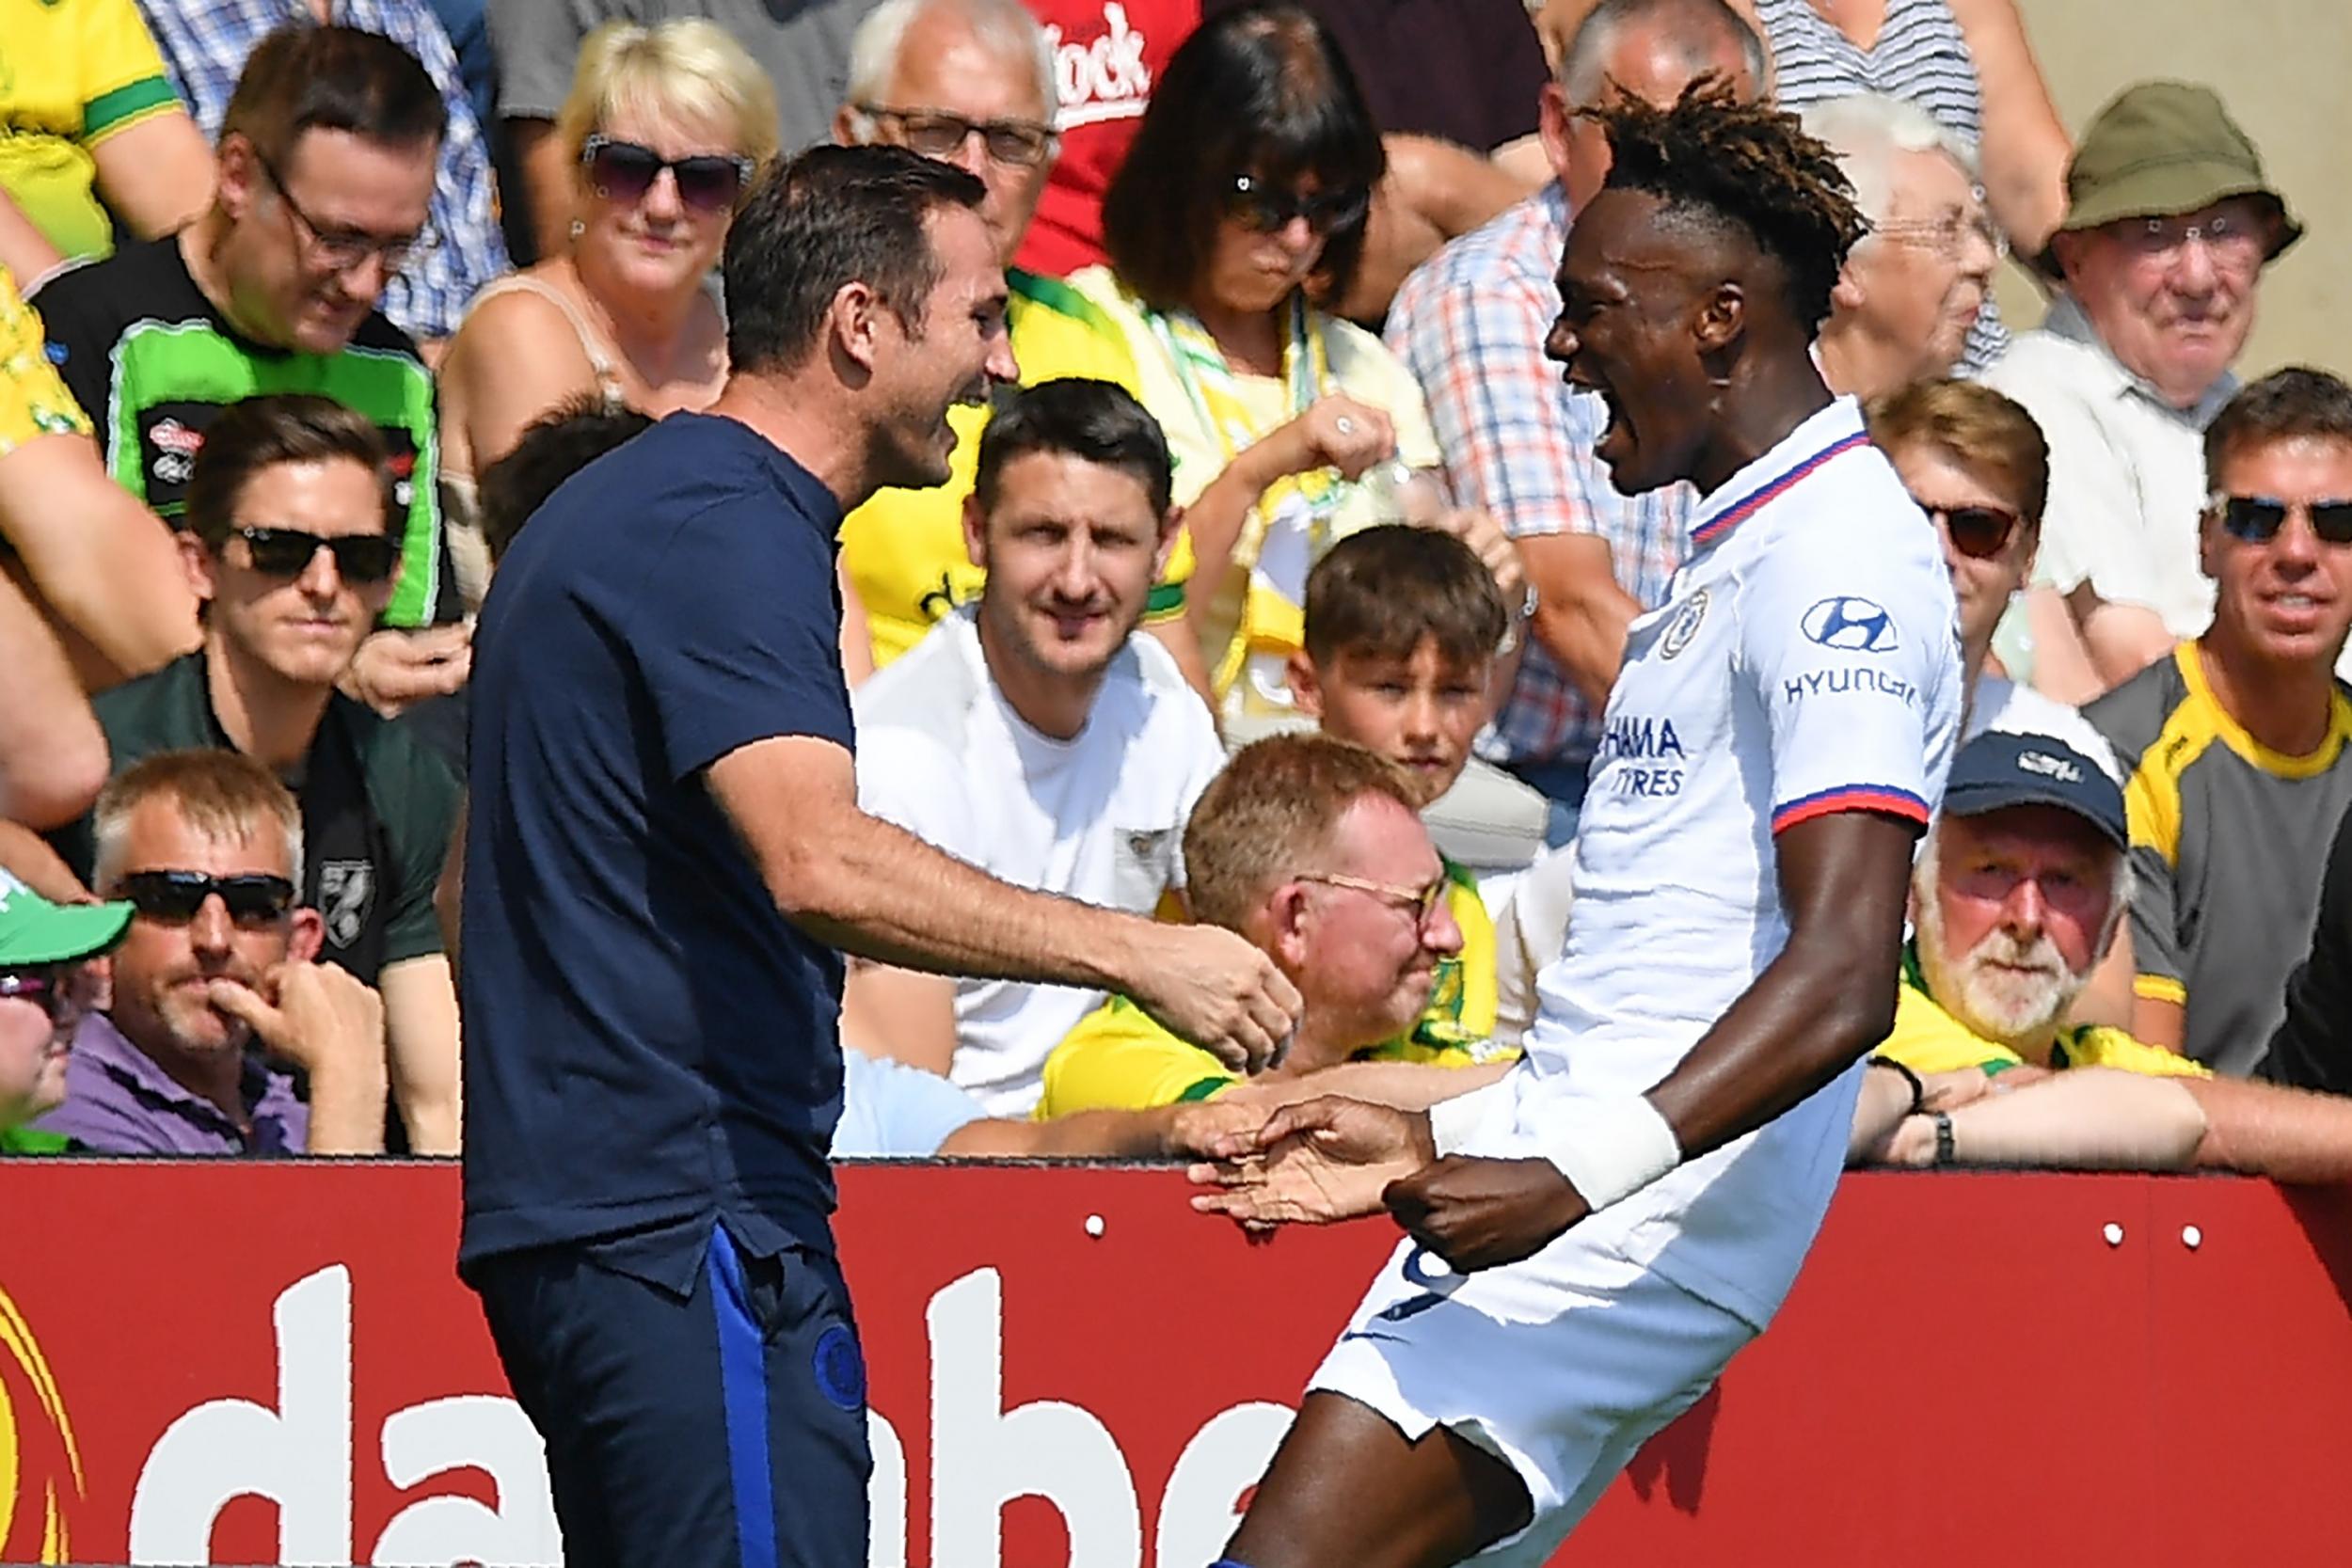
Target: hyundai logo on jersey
1851	621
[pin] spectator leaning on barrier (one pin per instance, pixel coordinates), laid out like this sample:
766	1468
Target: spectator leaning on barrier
46	989
970	82
209	44
1911	291
2015	891
1032	735
215	990
2168	225
1314	849
325	175
1471	326
287	517
2237	741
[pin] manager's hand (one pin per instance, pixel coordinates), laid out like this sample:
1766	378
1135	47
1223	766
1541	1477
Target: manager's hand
1219	992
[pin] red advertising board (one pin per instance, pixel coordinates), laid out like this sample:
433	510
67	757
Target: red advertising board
220	1363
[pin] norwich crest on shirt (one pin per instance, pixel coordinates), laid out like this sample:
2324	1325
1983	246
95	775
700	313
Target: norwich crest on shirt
345	890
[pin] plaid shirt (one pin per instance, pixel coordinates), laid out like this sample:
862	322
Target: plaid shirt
1471	325
205	43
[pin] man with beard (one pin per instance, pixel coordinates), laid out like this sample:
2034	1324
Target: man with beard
664	859
216	986
2019	888
1031	734
1590	1240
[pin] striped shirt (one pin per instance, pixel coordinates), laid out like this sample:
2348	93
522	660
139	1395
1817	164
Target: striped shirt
1921	57
1470	323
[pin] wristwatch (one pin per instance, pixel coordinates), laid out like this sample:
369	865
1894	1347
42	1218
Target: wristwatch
1510	642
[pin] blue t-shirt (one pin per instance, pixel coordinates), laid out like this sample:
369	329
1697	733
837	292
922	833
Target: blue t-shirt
650	1046
891	1111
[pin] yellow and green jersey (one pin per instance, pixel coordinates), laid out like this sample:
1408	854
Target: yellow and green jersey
903	551
1118	1057
73	72
1929	1039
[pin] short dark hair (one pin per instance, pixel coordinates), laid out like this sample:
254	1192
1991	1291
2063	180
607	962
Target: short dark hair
832	216
1263	91
2297	400
1378	592
1099	422
307	77
552	448
262	432
1748	166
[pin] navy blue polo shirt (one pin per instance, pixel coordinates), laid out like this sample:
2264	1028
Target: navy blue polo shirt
650	1047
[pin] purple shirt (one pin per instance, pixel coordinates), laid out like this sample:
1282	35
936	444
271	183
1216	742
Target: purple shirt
118	1102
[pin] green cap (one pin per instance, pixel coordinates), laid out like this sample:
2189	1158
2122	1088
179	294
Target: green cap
2161	149
35	932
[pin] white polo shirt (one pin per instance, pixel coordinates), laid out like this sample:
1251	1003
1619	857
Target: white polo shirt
1100	818
1806	661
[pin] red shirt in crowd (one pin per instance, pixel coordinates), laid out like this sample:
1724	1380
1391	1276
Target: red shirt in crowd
1106	56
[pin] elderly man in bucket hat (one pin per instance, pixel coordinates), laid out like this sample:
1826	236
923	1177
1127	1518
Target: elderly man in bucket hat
2168	225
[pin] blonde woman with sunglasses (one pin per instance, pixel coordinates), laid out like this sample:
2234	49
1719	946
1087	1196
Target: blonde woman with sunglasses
666	126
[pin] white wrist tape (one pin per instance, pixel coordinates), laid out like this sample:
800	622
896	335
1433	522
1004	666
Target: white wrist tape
1610	1149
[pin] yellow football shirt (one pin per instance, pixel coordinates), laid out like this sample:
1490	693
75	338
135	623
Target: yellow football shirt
33	399
903	551
1929	1039
74	73
1120	1058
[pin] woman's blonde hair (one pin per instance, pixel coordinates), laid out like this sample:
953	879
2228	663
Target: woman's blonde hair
686	68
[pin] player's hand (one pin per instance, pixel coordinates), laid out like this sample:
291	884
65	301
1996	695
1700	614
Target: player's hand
1476	527
1216	990
1312	1162
394	670
1482	1213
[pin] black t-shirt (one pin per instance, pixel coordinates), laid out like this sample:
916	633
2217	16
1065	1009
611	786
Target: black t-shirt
651	1047
154	363
377	810
2311	1048
1467	70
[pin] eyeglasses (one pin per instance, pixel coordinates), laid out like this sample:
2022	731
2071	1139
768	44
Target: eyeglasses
1264	208
2257	519
252	898
624	171
937	134
53	992
2236	239
342	250
1979	532
1947	236
287	552
1420	902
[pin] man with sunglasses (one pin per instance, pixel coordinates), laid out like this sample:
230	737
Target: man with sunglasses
2240	741
2168	225
326	174
46	987
969	82
287	544
216	996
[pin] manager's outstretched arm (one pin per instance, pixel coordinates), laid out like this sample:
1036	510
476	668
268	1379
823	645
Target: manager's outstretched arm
873	889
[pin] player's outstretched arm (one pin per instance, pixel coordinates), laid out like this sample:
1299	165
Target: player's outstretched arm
870	888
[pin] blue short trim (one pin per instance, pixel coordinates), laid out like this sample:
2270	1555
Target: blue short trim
743	1391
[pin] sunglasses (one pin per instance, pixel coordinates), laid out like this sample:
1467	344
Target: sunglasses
624	171
1979	532
287	552
936	134
2257	519
1264	208
52	991
252	898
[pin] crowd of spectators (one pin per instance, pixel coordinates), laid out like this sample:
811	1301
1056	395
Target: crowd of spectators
1281	589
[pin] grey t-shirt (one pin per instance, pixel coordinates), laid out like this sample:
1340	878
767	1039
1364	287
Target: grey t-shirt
804	46
2228	840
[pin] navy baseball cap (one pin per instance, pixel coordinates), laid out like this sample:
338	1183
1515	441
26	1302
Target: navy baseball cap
1998	769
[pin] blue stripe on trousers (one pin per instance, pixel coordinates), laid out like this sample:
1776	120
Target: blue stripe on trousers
743	1392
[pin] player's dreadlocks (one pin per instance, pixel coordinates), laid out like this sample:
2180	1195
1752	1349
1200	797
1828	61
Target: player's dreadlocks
1747	163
